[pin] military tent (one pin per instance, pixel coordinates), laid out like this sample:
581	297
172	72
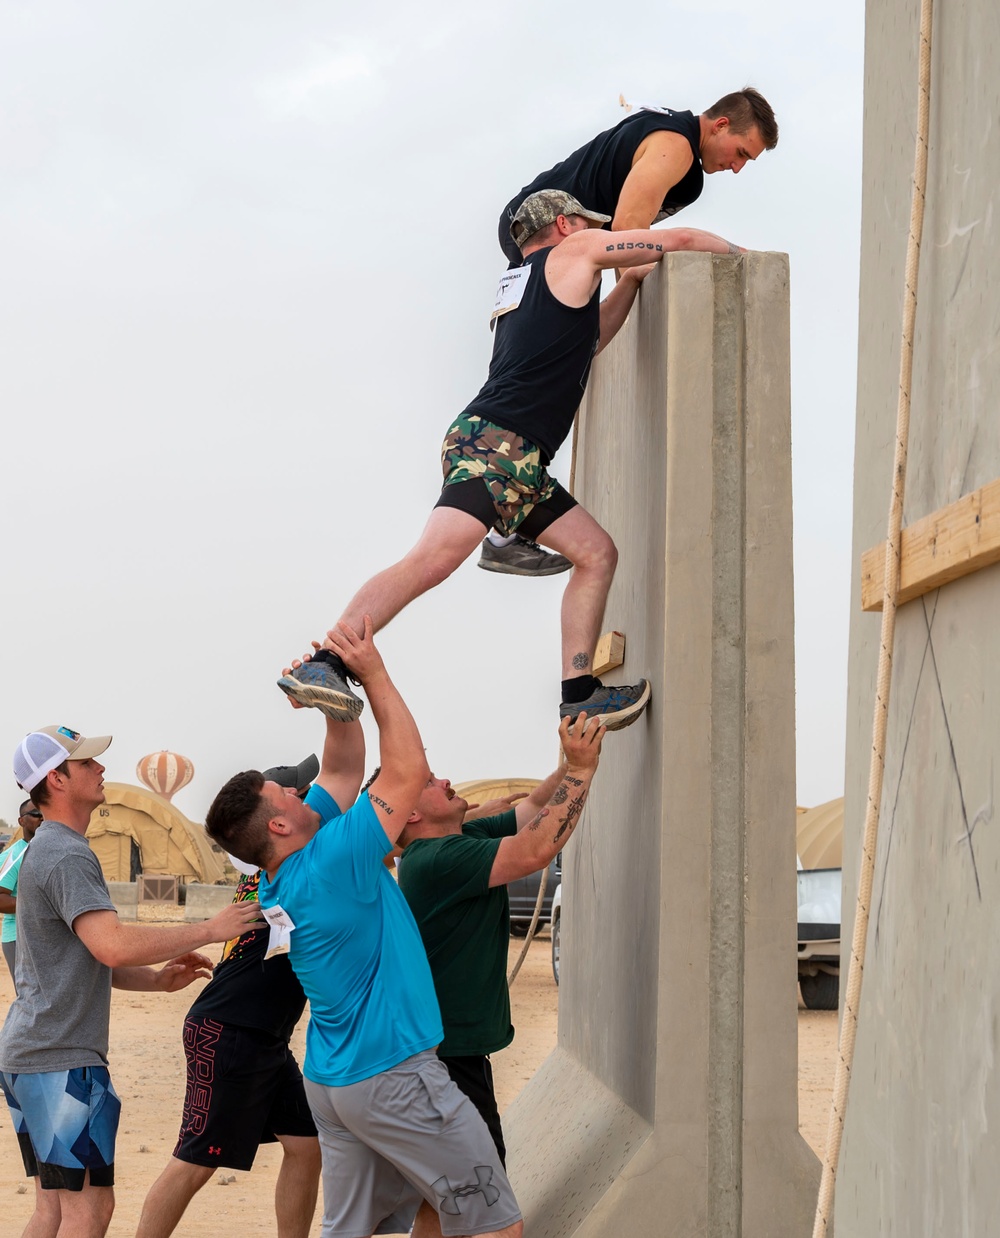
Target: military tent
135	831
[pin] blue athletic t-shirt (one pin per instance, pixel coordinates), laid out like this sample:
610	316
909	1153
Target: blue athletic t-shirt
357	952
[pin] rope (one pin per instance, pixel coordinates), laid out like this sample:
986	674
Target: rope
855	974
530	936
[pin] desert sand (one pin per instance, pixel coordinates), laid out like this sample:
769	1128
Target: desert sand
147	1066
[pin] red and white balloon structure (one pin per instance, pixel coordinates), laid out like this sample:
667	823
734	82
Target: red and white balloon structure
165	773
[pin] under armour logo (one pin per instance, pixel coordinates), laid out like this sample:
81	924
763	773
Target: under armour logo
214	1151
450	1197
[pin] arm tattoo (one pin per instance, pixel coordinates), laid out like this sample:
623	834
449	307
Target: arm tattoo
572	816
561	795
610	249
381	803
537	819
734	249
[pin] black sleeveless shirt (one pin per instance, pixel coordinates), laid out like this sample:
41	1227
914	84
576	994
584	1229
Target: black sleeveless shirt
541	362
595	173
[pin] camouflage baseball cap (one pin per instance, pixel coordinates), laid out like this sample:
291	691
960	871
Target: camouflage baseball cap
544	208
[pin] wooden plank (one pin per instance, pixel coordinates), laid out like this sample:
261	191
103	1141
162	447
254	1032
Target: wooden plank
610	652
944	546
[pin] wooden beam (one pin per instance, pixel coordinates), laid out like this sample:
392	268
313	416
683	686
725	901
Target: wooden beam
944	546
610	652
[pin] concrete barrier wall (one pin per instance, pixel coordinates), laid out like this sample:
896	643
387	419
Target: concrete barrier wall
670	1104
202	901
921	1141
125	896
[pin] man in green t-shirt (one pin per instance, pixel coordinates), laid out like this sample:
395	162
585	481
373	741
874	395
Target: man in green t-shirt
454	877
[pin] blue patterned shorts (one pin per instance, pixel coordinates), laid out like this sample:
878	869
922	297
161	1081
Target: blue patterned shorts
66	1122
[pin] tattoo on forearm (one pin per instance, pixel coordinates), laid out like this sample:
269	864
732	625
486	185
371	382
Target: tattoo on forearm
381	803
610	249
574	782
561	794
581	661
572	816
537	819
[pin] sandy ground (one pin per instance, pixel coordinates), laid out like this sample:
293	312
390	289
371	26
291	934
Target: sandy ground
147	1065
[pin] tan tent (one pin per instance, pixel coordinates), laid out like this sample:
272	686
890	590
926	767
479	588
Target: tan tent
820	835
136	831
481	790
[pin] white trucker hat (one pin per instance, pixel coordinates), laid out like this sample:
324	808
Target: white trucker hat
43	750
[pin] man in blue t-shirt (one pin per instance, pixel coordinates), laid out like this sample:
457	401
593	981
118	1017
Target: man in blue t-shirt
244	1087
394	1130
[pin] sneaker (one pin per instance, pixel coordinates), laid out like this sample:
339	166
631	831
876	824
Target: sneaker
614	705
521	558
321	686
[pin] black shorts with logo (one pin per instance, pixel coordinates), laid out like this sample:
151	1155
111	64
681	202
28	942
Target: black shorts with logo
244	1088
474	1077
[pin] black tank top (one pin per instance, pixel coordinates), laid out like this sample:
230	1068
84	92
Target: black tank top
595	173
541	362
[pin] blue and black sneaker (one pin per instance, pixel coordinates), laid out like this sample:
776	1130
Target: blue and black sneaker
321	685
614	705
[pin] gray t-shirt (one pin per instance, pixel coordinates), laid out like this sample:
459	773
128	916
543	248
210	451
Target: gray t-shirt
60	1018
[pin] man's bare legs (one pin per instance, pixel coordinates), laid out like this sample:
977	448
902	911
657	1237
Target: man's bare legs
297	1187
428	1225
71	1214
169	1196
294	1193
579	537
449	537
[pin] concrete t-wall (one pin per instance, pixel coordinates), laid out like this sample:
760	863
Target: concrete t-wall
922	1139
670	1104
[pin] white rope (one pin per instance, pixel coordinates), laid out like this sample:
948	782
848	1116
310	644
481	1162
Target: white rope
855	974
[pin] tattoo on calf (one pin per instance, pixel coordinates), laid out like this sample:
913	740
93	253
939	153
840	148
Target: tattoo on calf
581	661
381	803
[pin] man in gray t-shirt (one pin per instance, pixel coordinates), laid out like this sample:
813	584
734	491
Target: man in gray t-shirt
71	949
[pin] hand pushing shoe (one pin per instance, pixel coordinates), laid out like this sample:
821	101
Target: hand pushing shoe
521	558
614	705
322	685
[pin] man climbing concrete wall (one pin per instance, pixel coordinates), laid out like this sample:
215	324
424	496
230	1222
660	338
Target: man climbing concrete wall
921	1142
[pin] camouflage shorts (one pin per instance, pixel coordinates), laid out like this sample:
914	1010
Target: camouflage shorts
476	450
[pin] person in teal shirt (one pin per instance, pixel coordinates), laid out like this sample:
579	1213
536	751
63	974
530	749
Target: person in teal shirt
29	819
394	1129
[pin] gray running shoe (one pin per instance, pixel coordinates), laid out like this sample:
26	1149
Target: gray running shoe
521	558
615	706
321	686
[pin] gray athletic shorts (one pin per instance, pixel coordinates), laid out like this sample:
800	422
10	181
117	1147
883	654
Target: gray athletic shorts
404	1135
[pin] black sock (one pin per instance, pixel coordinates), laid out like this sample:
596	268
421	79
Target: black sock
327	655
578	689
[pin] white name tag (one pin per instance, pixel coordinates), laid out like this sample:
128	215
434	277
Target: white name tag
510	292
279	940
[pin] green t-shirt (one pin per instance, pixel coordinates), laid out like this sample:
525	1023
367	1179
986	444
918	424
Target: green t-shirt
465	926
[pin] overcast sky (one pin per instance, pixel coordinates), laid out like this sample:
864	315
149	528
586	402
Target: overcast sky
249	252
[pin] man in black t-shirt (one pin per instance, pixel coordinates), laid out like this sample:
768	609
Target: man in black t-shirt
549	323
647	168
244	1086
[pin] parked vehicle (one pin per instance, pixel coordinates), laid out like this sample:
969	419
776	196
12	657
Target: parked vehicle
818	932
523	895
556	929
819	937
